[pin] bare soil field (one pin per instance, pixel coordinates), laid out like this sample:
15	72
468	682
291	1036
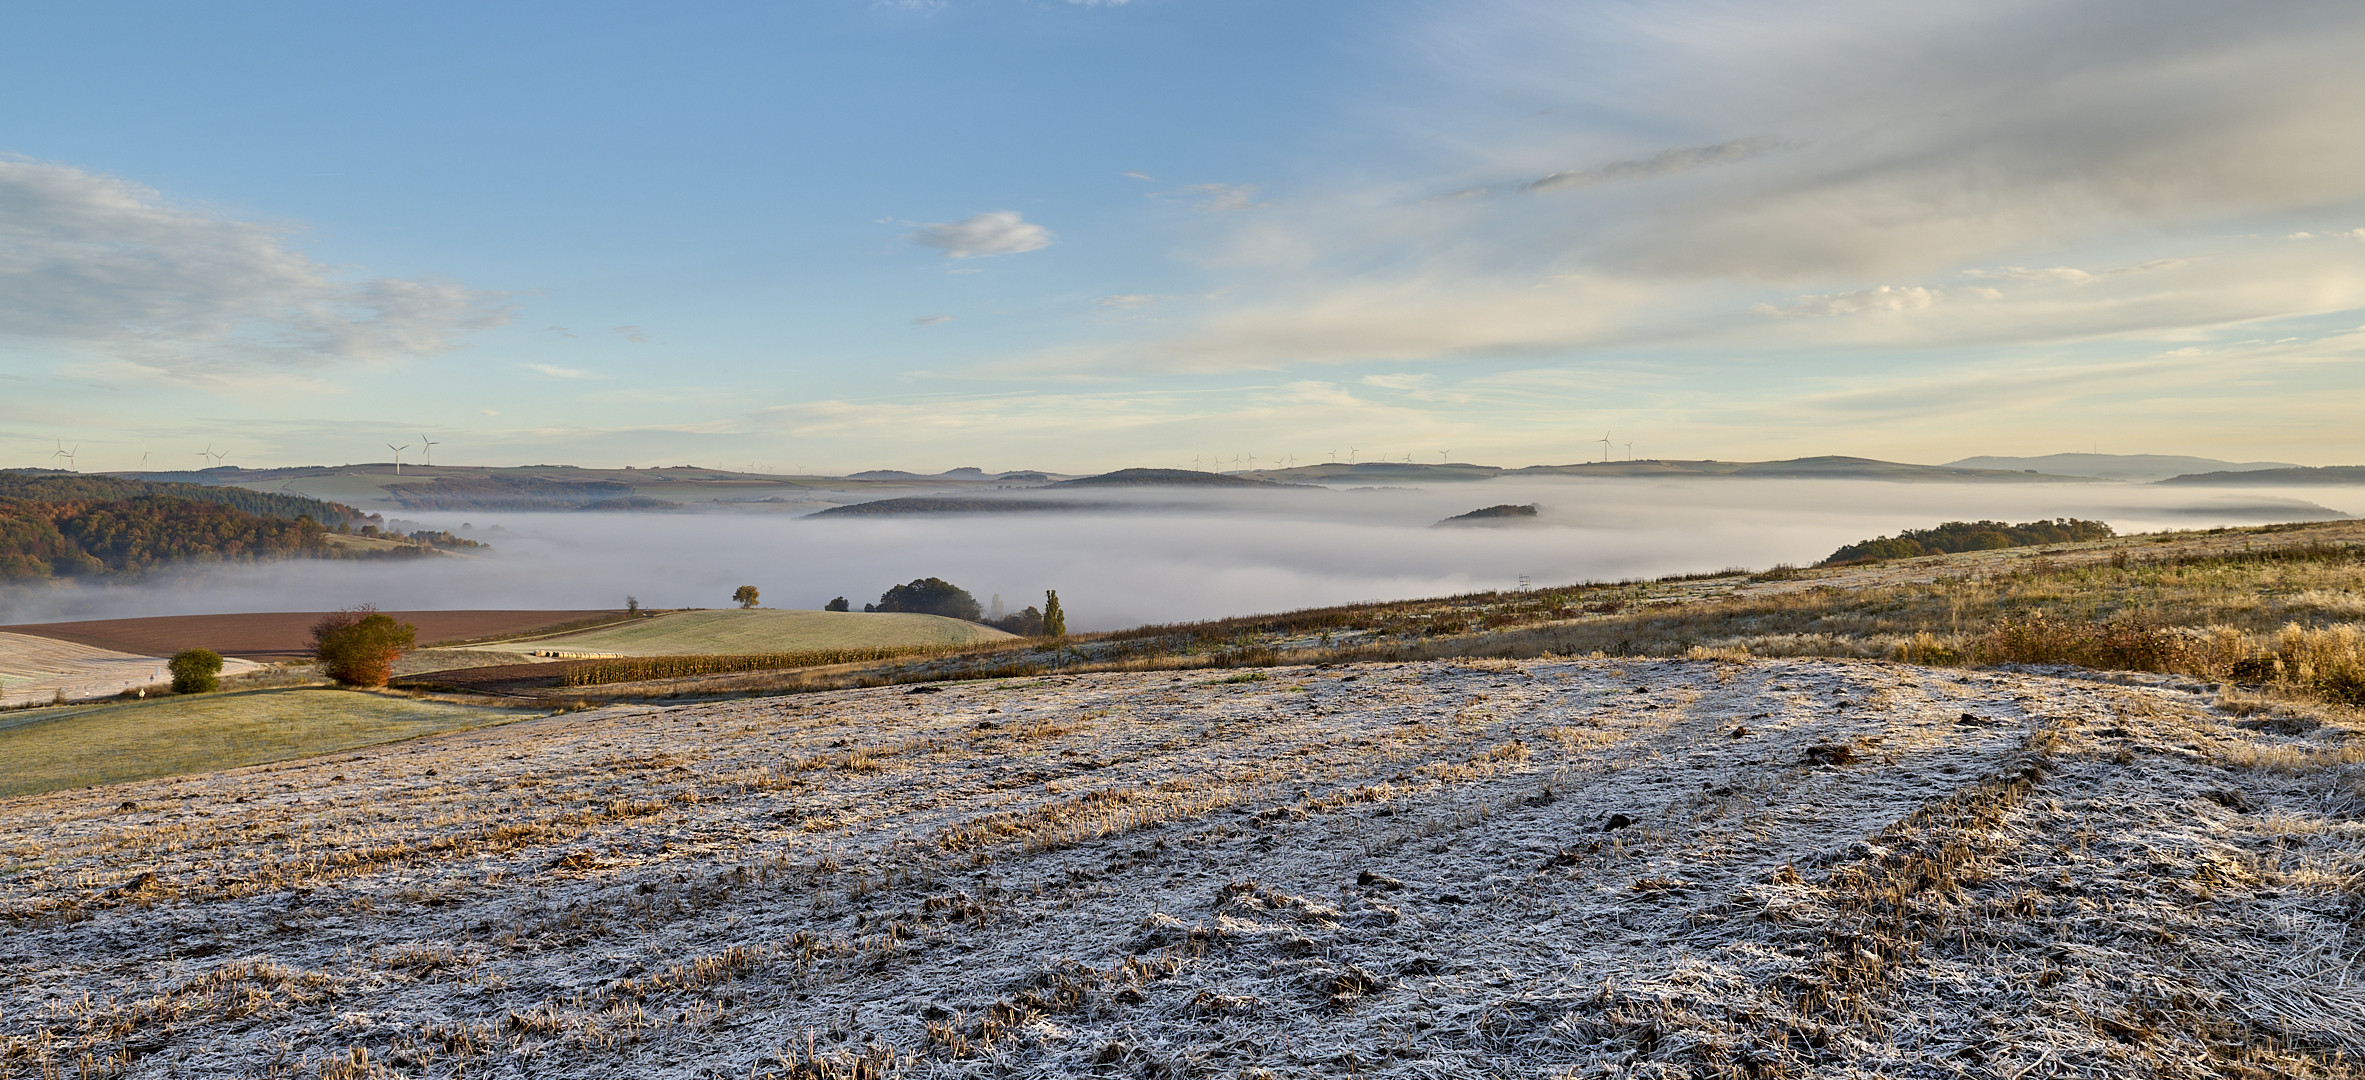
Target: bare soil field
282	635
1442	868
39	669
761	630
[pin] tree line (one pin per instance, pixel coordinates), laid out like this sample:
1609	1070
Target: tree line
1954	536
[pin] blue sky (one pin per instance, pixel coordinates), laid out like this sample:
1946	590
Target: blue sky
837	234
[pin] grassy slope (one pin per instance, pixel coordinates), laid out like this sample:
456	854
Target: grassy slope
2237	590
55	749
689	632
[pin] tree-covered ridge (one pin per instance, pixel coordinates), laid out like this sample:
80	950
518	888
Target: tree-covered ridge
1956	536
45	539
90	487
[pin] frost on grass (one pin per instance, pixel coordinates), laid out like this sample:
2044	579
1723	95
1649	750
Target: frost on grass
1434	869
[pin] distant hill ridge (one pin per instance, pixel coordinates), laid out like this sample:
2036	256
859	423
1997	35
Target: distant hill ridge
2321	474
1827	467
2118	466
1169	478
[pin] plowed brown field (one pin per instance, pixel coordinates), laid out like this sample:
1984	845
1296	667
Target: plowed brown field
281	635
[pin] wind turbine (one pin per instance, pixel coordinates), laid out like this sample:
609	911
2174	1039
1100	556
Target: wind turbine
1444	456
143	459
69	455
1605	447
219	457
1350	455
206	454
1195	463
427	451
398	456
1629	451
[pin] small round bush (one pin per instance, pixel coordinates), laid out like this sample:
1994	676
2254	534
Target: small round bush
358	646
195	671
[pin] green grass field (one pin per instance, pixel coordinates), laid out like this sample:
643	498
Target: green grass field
53	749
762	631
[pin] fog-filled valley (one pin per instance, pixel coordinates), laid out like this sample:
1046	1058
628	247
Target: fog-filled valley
1126	557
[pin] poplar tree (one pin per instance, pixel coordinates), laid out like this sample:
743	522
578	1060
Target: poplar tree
1055	621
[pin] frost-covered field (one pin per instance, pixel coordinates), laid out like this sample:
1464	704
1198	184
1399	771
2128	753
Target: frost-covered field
37	669
1581	867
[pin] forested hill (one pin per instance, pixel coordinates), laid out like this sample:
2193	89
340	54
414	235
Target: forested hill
1956	536
87	487
54	524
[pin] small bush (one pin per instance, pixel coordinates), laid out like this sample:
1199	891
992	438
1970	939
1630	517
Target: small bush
2108	646
195	671
358	646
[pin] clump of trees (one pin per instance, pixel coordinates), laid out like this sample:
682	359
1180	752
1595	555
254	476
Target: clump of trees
1026	623
1956	536
195	671
358	646
936	596
745	596
930	596
838	604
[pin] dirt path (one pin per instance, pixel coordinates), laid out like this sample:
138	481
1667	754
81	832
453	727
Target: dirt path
1441	869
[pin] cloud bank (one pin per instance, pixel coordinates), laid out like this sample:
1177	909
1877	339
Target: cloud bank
102	263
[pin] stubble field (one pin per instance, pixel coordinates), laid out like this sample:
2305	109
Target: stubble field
1438	868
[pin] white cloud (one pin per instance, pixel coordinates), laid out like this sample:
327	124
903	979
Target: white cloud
633	334
1128	300
931	320
1139	176
557	372
1000	232
95	261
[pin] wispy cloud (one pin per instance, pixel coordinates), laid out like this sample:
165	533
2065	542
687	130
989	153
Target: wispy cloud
931	320
1128	300
1223	198
557	372
633	334
1000	232
1681	159
1878	298
92	260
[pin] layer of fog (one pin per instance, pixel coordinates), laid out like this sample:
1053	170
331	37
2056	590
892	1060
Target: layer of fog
1176	555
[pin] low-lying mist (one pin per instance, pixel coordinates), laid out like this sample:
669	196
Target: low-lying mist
1160	555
